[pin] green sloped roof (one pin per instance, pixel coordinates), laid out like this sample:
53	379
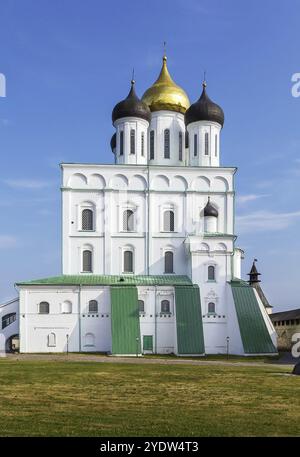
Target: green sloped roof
108	280
254	333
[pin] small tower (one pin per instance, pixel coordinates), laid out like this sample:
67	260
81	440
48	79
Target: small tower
254	282
204	120
131	119
210	218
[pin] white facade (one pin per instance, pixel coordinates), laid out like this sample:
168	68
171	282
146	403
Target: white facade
143	215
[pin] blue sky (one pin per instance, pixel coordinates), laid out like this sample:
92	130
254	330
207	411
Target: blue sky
67	62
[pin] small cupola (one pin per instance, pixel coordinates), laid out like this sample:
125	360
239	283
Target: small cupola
204	109
210	210
131	106
253	275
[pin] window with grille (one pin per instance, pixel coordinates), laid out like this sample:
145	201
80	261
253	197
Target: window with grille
195	145
93	306
141	306
8	319
167	144
132	141
87	261
44	307
169	221
152	145
211	308
165	306
169	267
87	219
216	145
128	262
121	143
211	273
128	220
142	144
180	146
206	144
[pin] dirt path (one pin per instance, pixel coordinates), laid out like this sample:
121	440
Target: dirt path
138	360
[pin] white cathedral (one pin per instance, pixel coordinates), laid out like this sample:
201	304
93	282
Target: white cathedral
149	256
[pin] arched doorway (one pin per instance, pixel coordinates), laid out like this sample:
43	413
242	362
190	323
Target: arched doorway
12	344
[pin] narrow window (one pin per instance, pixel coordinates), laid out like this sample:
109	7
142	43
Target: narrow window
169	262
167	144
142	144
8	319
180	146
93	306
206	143
87	261
141	306
51	340
44	307
87	219
211	308
128	262
152	145
216	145
195	145
211	273
132	141
165	306
128	220
121	143
169	221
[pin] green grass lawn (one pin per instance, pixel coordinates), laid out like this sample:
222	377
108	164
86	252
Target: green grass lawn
46	398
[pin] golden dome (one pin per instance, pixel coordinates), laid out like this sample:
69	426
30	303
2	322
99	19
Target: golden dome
164	94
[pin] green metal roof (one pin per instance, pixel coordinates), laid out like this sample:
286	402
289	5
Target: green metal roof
108	280
255	335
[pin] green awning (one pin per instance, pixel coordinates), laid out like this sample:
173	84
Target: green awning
255	336
125	324
189	320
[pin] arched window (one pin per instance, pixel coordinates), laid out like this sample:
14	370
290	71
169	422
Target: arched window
211	308
169	268
121	143
132	141
66	307
142	144
51	340
180	146
216	145
87	261
128	262
8	319
165	306
87	219
141	306
195	145
44	307
206	145
169	221
89	340
211	273
152	145
128	220
93	306
167	144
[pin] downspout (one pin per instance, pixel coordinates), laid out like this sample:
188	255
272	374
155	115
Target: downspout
155	320
148	220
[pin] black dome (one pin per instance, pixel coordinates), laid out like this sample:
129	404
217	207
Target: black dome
132	106
210	210
204	109
113	142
